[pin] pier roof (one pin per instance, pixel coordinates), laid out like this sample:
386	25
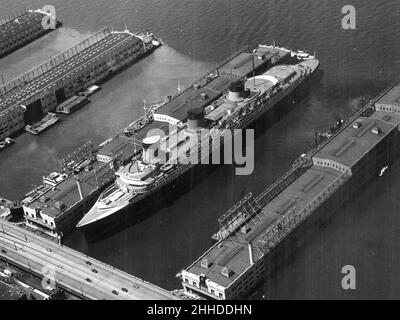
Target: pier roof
233	251
122	147
391	98
26	89
54	201
352	143
348	146
18	24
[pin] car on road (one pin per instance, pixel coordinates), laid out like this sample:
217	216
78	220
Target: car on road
88	263
124	289
49	250
89	280
3	251
115	292
94	271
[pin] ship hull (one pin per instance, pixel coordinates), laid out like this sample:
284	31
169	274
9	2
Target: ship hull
164	195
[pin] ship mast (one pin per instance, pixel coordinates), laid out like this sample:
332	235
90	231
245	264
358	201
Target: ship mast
254	71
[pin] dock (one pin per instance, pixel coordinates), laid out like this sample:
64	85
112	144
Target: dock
74	272
336	169
55	206
20	29
72	104
26	98
56	211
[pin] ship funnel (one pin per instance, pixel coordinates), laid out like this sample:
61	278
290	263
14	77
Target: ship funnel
236	91
150	149
195	118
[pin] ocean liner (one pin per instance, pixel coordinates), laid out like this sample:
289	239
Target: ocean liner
162	159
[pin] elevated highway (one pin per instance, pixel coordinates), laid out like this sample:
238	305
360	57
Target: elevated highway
73	271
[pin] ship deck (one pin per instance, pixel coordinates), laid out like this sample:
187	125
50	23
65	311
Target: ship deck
238	67
67	193
239	64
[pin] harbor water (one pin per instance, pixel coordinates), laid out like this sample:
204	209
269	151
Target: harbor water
356	65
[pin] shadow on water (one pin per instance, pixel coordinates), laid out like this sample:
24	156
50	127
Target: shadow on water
167	196
326	219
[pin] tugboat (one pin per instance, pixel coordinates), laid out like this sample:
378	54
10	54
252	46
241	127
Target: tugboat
327	134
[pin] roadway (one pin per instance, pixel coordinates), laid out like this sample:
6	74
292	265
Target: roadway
74	271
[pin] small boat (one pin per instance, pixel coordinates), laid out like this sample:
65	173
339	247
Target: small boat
49	120
6	143
168	167
383	170
303	55
91	90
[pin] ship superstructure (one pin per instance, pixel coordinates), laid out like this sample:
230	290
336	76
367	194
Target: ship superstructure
164	158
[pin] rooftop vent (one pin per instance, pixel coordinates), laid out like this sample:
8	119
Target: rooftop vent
245	229
205	263
226	272
376	130
357	125
43	199
204	96
59	205
260	55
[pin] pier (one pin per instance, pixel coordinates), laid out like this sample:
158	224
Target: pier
338	167
55	210
20	29
26	98
73	271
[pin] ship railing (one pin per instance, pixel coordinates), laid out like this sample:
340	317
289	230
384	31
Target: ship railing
205	75
187	162
259	106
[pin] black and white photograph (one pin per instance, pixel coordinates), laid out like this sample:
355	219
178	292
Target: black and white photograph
201	157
